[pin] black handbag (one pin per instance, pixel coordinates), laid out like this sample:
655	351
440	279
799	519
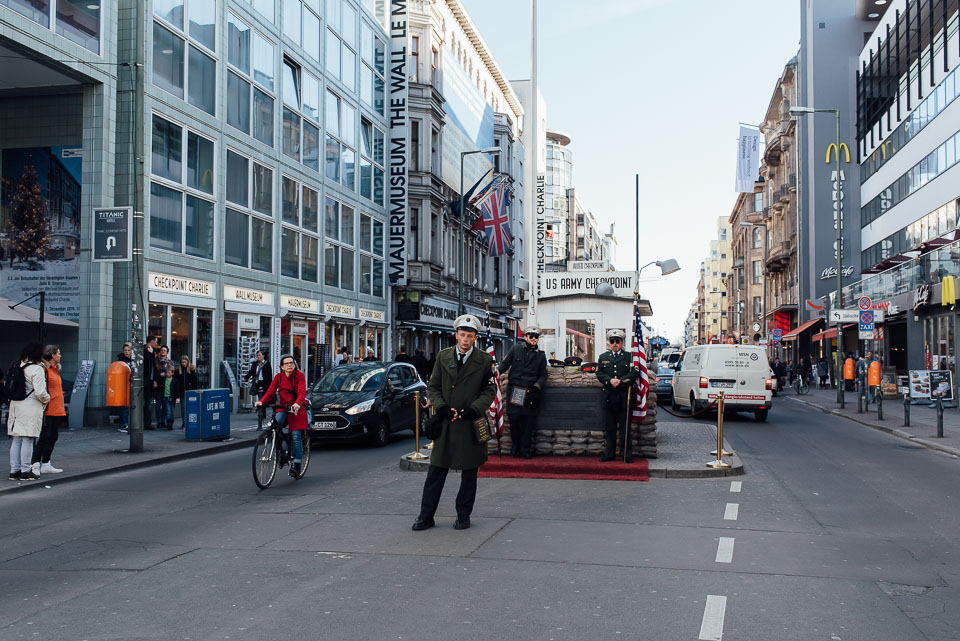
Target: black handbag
433	427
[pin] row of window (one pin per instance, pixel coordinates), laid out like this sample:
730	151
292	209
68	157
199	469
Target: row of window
182	216
76	20
941	221
937	161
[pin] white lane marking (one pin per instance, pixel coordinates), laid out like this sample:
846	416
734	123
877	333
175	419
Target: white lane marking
711	629
735	486
730	514
725	550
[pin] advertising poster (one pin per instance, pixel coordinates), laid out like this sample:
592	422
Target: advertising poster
941	382
40	227
919	383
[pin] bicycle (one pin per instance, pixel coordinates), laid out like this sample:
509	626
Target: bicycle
801	386
274	448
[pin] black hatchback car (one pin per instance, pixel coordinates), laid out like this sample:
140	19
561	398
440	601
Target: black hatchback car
663	384
368	400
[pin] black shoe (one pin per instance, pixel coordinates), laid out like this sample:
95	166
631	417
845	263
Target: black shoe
123	430
629	459
605	458
15	476
29	476
462	524
422	524
528	456
148	427
295	470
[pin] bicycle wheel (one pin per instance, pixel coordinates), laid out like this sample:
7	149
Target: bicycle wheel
265	460
803	388
306	455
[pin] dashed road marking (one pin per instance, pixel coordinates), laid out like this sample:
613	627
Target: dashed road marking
735	486
725	550
711	628
732	511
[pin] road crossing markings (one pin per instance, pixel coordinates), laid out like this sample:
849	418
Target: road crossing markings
711	628
730	514
735	486
725	550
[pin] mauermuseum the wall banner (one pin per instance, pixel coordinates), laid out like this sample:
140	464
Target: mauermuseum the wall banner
399	116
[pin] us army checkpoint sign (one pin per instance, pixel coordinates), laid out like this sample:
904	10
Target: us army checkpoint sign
112	234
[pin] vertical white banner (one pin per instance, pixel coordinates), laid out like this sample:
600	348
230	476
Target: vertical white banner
398	115
748	159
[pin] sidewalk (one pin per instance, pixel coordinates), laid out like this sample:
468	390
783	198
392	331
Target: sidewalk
93	451
923	419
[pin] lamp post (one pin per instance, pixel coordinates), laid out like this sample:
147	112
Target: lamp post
763	308
463	154
800	111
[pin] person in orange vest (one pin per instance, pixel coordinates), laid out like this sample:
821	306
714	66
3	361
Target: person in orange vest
871	389
55	416
125	356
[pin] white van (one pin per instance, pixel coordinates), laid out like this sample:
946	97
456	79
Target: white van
742	372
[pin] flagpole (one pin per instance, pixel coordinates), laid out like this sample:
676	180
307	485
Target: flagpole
532	266
638	231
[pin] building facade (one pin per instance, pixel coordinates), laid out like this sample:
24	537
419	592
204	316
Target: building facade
717	268
746	281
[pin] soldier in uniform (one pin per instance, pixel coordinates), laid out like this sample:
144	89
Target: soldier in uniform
528	370
462	388
617	375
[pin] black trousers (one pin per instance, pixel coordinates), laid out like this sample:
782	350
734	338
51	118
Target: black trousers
522	426
49	433
433	488
616	417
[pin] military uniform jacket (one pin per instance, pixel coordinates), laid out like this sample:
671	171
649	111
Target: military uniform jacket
473	387
616	366
528	367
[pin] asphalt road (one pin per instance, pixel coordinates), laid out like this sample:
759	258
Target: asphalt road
836	532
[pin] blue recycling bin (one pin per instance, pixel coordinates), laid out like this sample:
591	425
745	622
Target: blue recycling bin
207	415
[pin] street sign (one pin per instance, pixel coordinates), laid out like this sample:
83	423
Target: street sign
864	302
112	234
844	316
776	335
866	328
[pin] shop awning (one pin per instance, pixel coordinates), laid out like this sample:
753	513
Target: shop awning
830	333
422	327
794	333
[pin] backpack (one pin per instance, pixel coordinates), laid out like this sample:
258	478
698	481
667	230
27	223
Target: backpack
15	383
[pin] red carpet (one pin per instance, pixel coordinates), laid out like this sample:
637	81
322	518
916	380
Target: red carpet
587	468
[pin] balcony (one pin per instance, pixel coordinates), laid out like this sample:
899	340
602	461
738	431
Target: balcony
778	255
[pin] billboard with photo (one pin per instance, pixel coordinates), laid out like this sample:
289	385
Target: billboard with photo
468	127
40	190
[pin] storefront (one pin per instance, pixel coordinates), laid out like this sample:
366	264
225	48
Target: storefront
425	322
341	329
181	316
247	327
372	333
299	333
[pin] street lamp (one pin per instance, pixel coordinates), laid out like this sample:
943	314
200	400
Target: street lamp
463	215
763	309
667	266
800	111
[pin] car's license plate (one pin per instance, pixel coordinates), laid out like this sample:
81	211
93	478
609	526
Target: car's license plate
721	384
325	425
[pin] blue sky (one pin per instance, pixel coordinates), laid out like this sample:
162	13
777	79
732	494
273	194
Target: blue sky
655	88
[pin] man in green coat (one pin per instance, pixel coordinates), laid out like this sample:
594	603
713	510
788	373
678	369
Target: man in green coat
462	387
528	371
617	375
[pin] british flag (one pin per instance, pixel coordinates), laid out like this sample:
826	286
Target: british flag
641	385
495	221
495	412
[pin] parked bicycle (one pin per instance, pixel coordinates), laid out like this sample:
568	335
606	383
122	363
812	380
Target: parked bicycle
801	386
274	449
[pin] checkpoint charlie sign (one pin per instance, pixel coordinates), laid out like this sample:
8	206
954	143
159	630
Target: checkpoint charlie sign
567	283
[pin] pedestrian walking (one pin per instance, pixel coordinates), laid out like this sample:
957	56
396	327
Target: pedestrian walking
342	357
27	404
617	374
462	388
150	381
259	374
185	379
290	388
527	365
823	371
402	356
419	361
125	356
370	356
780	371
162	360
55	416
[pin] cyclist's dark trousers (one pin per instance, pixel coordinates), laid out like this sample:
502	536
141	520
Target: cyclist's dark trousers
433	488
295	435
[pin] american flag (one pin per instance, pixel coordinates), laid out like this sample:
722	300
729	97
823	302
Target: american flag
495	221
495	412
641	385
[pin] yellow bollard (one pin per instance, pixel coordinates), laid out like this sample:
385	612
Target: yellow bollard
416	455
719	452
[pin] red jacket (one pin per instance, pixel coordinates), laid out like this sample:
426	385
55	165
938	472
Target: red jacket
289	390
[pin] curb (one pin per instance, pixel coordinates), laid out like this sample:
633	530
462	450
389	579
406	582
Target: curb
173	458
922	440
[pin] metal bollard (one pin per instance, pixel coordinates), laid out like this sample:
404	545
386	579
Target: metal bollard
940	415
843	393
879	393
416	456
859	399
906	409
719	463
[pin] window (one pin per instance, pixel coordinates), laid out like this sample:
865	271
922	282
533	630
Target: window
77	20
757	237
757	308
341	43
291	20
371	161
758	201
757	272
181	62
415	59
181	218
371	256
248	235
339	254
301	139
341	158
372	53
300	214
249	81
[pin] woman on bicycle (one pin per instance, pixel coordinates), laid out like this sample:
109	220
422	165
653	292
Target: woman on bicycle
290	388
